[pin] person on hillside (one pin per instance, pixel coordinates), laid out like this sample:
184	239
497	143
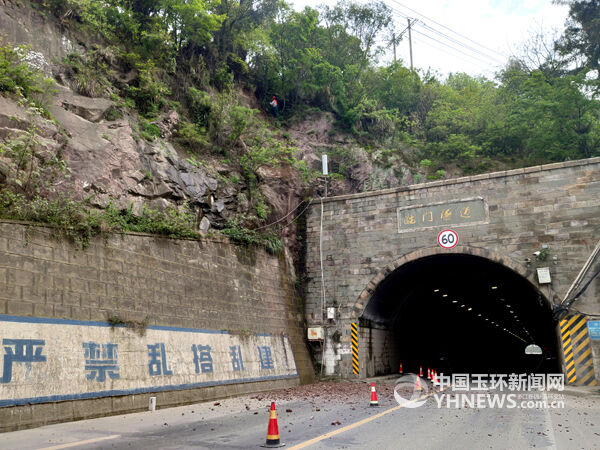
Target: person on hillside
274	106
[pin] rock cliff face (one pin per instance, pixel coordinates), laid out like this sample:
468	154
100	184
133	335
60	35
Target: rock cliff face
110	162
107	159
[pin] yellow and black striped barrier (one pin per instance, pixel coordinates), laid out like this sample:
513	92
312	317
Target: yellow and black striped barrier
354	334
577	350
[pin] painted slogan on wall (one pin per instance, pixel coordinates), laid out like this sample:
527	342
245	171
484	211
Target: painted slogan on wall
45	360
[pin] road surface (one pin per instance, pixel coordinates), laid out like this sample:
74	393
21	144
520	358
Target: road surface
331	415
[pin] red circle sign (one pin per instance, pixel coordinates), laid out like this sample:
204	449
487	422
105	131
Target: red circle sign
447	239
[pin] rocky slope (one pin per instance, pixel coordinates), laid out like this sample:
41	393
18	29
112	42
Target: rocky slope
110	162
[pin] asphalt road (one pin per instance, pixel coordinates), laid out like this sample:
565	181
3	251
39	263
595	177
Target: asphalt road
329	415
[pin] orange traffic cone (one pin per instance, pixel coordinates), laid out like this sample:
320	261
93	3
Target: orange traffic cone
273	430
374	401
418	385
400	371
420	371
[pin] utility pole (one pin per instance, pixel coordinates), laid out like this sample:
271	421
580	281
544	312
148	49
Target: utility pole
394	42
409	44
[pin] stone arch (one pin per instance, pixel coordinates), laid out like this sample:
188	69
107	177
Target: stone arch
367	293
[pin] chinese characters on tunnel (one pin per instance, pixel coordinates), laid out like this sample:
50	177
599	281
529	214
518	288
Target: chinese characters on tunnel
454	213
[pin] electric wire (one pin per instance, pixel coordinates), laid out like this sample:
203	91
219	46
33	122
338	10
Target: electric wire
449	29
461	57
450	46
449	38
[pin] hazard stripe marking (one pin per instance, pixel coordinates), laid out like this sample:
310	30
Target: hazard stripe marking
577	351
354	335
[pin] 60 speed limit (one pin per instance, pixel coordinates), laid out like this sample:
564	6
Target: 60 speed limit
447	239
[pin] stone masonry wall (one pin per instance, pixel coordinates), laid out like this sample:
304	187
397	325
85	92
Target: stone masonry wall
557	205
208	284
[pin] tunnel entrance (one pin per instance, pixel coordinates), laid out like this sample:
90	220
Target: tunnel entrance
459	313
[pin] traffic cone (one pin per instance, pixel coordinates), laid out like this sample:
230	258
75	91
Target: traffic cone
418	386
420	371
400	370
428	373
273	430
374	401
437	380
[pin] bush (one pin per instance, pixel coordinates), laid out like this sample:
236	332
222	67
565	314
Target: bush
90	74
239	234
190	136
15	75
76	221
148	130
149	92
199	104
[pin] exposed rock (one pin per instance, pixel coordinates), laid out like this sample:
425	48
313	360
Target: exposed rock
25	26
92	109
204	225
167	123
14	116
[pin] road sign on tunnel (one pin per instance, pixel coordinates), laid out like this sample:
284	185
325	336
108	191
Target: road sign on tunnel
447	239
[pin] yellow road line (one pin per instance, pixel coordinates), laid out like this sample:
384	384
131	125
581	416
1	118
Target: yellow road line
354	425
88	441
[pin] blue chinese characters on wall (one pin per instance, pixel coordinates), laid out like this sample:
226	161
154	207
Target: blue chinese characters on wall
101	360
21	351
157	363
266	357
202	358
237	362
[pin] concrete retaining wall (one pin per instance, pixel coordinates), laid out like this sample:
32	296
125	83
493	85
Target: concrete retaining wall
65	357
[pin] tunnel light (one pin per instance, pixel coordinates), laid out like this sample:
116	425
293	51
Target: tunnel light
501	299
487	318
508	306
478	315
512	312
469	309
436	290
494	287
445	295
454	301
462	306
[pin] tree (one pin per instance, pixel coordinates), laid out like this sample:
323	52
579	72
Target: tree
364	22
580	42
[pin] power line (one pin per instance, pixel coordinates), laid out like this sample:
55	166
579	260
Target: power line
449	29
449	38
468	47
453	48
468	61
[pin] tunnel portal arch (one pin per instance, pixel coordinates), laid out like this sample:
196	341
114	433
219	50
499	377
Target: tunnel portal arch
408	316
366	294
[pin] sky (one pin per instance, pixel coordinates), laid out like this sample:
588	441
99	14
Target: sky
489	31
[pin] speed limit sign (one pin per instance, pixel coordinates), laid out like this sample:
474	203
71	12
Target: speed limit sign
448	239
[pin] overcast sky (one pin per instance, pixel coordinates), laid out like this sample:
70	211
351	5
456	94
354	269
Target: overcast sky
489	31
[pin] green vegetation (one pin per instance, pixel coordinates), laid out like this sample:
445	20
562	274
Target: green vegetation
212	60
239	234
198	52
138	326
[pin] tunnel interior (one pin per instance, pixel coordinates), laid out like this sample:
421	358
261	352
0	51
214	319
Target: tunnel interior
461	313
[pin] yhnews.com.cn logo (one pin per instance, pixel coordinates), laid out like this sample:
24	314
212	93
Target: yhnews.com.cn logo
524	391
